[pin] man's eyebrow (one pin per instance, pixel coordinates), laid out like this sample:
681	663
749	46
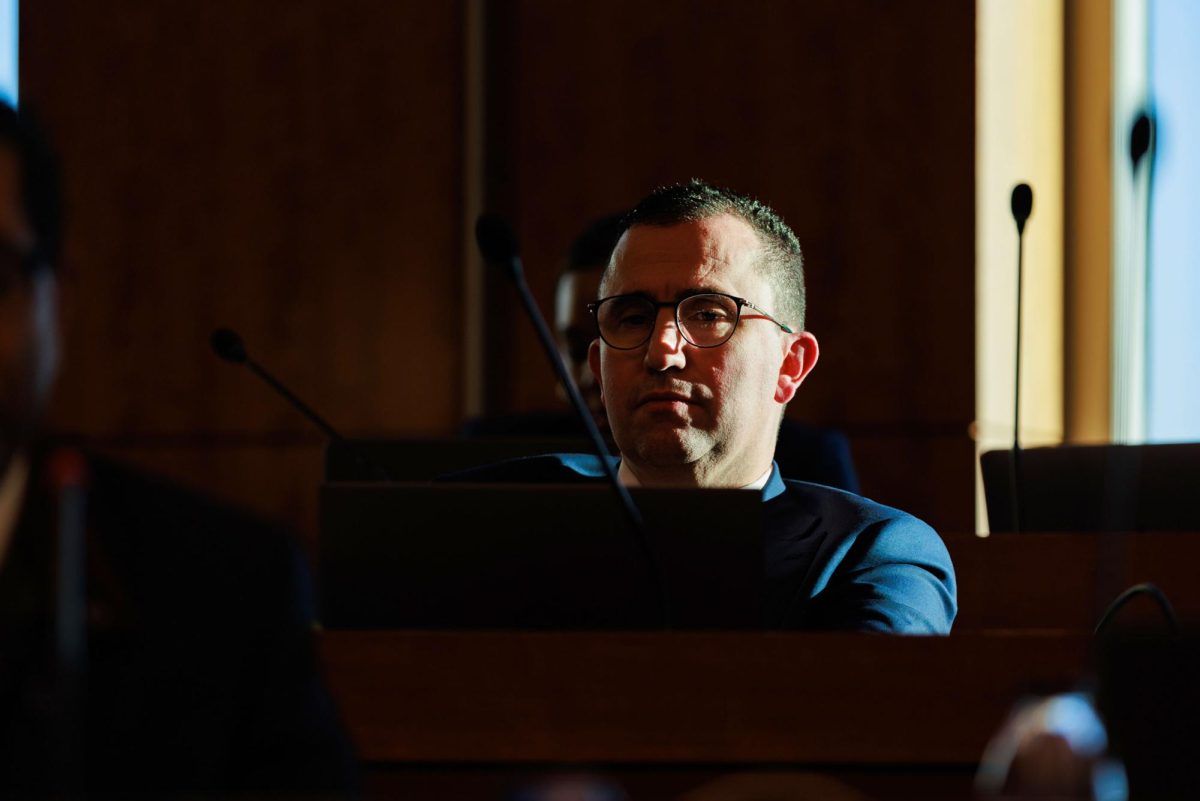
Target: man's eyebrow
680	295
699	290
635	294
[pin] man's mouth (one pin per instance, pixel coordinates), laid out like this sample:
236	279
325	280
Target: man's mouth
664	397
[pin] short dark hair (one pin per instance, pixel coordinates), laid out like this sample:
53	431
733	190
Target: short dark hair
40	177
593	247
783	262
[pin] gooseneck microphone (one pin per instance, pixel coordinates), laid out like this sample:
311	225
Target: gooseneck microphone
1131	289
498	244
1021	203
1141	138
228	344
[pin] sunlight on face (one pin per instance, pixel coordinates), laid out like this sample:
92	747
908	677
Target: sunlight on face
708	413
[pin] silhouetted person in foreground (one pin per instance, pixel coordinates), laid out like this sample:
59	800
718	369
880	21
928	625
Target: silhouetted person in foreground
191	670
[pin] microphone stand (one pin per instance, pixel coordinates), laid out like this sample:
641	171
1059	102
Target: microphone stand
498	245
1022	206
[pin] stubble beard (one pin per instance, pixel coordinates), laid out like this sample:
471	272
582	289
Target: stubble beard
668	446
672	447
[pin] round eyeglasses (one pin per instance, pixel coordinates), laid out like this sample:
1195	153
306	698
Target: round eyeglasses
707	320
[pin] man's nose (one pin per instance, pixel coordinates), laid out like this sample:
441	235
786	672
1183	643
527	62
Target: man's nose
664	351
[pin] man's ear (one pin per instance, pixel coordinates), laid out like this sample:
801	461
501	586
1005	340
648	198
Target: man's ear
798	361
594	363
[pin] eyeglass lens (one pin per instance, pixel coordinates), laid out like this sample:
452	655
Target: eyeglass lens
704	320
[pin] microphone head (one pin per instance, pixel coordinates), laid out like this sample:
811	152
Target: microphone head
1141	137
497	242
227	344
1022	204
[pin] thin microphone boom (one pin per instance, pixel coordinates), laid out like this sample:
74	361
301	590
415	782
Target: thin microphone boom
228	345
499	247
1130	291
1021	203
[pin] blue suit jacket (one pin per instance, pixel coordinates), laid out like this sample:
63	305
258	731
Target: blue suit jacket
834	560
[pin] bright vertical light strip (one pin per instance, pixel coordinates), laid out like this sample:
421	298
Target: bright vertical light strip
1129	276
1019	137
1173	313
8	50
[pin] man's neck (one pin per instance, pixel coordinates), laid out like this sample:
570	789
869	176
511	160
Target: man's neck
691	475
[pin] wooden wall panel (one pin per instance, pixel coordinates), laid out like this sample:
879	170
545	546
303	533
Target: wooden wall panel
291	169
854	120
295	170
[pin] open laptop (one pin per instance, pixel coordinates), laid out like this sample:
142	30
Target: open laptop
536	557
1096	488
426	459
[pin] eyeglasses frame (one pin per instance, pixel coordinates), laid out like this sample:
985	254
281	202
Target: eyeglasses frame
674	306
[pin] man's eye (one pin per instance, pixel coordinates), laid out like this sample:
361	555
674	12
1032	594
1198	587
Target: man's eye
633	320
713	314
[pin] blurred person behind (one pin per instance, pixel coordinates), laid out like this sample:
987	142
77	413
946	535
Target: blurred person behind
574	330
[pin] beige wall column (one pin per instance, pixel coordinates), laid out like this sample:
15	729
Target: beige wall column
1019	137
1088	221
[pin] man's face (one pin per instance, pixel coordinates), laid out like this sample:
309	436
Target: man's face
575	330
28	321
683	414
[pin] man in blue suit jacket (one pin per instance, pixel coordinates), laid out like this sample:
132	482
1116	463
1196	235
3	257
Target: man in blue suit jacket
701	347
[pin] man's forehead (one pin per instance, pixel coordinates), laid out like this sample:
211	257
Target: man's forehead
695	253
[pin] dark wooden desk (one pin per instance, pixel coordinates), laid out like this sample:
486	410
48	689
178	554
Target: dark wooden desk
1065	581
728	698
445	714
458	714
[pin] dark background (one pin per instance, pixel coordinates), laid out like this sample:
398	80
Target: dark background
298	170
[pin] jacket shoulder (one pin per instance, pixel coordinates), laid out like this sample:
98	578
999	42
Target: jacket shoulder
879	568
